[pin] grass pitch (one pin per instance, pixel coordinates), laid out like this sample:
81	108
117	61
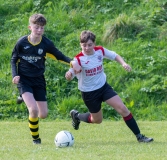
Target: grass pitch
107	141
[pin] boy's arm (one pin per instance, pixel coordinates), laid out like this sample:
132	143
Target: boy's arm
14	61
114	56
120	60
56	54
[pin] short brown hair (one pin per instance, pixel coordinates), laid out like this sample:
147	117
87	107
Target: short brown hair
87	35
38	19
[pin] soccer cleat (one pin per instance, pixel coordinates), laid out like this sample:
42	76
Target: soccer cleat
75	120
143	138
37	141
19	100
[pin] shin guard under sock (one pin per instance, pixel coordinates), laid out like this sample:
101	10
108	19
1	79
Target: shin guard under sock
33	125
85	117
131	123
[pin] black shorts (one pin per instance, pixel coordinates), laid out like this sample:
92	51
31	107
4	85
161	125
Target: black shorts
94	98
34	85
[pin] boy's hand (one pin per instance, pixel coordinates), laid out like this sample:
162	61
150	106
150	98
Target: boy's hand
68	75
127	67
16	79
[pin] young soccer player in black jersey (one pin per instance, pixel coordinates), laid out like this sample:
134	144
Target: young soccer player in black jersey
28	67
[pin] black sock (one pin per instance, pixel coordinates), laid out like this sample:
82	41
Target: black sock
131	123
84	117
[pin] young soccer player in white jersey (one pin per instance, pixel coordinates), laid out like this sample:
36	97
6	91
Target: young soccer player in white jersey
88	66
28	67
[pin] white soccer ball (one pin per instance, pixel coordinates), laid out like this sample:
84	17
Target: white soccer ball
64	139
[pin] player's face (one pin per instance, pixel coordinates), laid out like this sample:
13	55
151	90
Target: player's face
88	47
36	30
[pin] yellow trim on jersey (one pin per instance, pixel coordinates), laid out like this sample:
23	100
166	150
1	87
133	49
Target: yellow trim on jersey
71	64
34	44
53	57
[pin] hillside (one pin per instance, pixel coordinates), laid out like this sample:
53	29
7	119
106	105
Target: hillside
135	29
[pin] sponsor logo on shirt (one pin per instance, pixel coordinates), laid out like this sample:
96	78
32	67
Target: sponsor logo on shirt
94	71
31	59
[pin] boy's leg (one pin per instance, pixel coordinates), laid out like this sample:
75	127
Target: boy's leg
42	109
19	99
33	116
77	117
85	117
118	105
131	123
34	127
93	103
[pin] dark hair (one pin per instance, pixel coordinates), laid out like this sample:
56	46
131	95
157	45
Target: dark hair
87	35
37	19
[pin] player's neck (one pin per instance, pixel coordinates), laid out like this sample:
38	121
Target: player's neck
88	53
34	40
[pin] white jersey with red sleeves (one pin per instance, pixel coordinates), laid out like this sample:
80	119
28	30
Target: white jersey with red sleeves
92	74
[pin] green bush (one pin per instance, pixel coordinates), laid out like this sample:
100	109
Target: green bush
135	29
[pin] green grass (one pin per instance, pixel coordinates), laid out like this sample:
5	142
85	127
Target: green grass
107	141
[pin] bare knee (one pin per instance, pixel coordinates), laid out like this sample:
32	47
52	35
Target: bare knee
43	109
97	117
97	121
43	115
123	110
33	113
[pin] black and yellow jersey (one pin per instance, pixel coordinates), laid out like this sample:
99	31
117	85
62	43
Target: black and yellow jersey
29	59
